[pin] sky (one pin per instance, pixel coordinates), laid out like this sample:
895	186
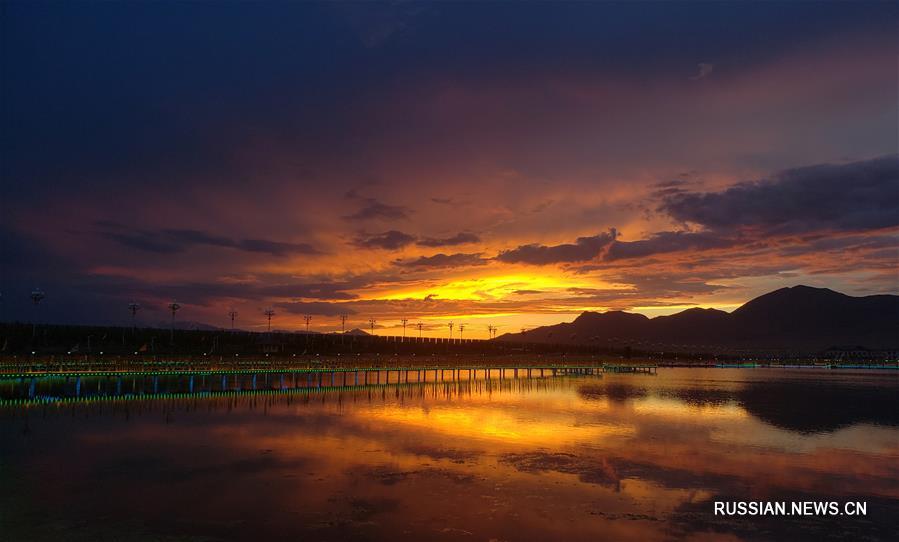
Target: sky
489	163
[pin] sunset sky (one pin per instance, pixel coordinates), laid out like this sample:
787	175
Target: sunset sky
510	164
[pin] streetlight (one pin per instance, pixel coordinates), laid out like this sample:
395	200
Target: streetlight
404	321
37	295
173	306
232	313
343	317
269	312
461	328
451	330
133	307
420	325
371	322
307	318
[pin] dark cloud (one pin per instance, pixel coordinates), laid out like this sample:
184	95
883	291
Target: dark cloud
197	237
275	248
145	241
204	293
336	291
589	291
314	307
458	239
452	202
394	239
442	261
673	183
646	290
667	241
527	292
861	195
584	249
374	209
851	243
389	240
170	241
658	286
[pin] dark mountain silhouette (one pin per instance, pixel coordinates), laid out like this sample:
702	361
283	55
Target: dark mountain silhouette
187	325
797	318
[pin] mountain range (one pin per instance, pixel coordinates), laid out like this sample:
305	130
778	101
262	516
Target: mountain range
796	318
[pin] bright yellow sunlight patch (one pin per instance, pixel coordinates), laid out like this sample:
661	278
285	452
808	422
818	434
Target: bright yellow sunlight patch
490	288
498	424
671	309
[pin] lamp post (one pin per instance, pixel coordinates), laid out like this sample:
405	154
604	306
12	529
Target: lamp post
174	306
269	312
343	317
133	308
37	295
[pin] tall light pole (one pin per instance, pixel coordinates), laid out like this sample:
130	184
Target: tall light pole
232	314
420	325
343	317
269	312
490	330
451	330
133	307
37	295
173	306
307	318
461	328
404	321
371	322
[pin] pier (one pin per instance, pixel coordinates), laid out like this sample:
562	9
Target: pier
52	387
648	369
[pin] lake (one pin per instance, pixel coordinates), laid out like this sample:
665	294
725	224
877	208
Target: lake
582	457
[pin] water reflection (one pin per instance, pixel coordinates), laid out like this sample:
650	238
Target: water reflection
622	457
796	401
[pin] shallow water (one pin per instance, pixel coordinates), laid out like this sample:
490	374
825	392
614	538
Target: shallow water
611	457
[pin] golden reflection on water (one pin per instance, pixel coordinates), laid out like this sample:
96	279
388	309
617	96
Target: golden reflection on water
620	457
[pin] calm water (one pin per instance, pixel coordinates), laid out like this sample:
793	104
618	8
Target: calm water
613	457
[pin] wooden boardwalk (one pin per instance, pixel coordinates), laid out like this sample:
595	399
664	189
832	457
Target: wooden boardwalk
400	373
68	386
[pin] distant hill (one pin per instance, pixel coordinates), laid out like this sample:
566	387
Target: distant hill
187	325
357	331
797	318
